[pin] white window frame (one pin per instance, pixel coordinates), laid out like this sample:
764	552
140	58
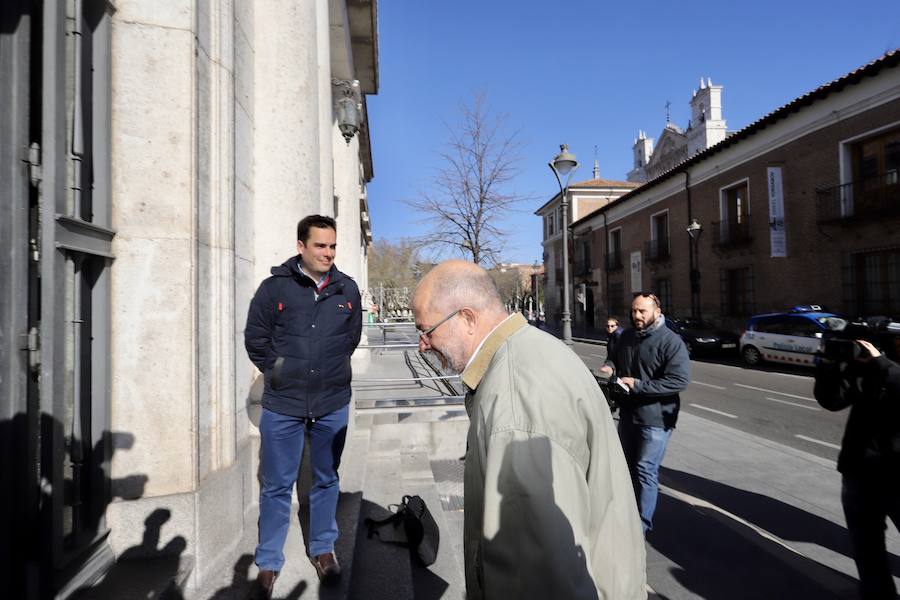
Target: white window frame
653	229
845	163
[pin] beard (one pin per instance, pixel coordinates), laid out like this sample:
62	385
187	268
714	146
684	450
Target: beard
450	358
645	326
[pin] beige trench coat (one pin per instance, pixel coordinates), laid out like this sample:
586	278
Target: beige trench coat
549	506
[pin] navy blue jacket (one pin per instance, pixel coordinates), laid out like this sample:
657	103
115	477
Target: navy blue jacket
302	344
659	362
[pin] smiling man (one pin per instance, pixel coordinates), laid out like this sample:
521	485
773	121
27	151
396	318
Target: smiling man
304	323
549	511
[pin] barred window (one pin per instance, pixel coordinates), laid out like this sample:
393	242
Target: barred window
736	288
662	287
872	282
617	299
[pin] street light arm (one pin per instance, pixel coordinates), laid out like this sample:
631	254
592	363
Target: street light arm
556	173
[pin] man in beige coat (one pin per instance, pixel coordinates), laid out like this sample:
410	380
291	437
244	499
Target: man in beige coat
549	507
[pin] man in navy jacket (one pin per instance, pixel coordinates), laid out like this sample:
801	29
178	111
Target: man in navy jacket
304	323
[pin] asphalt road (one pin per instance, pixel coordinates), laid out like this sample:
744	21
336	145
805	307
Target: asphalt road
771	402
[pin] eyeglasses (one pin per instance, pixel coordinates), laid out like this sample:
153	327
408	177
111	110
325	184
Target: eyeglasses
650	295
426	335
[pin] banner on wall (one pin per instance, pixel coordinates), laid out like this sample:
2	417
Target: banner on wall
636	285
777	233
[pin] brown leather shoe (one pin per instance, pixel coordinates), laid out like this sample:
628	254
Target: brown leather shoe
265	584
327	567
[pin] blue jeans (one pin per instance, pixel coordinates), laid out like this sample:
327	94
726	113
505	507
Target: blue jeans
868	503
282	438
644	448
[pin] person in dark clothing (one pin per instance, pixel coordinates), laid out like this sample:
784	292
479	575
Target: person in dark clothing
869	460
613	333
648	368
304	323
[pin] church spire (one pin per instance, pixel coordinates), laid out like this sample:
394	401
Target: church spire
596	165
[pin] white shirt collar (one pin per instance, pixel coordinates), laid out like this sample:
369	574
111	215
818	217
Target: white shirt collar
481	343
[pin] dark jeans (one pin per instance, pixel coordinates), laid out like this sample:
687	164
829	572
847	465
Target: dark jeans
644	448
282	439
868	502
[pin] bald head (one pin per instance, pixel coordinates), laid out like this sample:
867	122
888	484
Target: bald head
456	306
454	284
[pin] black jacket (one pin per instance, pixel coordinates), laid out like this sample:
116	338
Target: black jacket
871	443
659	362
303	344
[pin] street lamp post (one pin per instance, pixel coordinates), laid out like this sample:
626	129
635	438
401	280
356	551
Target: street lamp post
564	165
694	229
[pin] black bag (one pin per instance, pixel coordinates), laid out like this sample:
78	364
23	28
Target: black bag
420	532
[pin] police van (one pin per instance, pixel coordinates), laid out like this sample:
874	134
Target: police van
792	337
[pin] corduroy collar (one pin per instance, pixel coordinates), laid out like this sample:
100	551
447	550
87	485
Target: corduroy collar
471	377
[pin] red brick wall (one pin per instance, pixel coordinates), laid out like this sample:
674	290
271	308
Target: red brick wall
812	272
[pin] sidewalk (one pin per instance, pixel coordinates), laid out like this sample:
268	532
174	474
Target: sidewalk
743	517
399	430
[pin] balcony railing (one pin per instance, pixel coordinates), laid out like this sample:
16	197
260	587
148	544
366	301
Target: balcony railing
729	234
657	250
613	261
872	198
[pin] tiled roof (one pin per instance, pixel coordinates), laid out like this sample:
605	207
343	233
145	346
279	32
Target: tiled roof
592	183
604	183
887	61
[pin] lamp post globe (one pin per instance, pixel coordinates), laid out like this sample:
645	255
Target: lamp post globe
563	165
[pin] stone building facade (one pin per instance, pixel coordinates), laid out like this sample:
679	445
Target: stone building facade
156	157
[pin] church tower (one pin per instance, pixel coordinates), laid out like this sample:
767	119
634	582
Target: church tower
707	127
643	150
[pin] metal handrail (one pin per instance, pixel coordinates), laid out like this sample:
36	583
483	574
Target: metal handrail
399	379
375	346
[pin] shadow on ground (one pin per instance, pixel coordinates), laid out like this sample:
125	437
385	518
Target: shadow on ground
383	570
716	556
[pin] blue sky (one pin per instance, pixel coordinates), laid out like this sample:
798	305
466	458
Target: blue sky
590	73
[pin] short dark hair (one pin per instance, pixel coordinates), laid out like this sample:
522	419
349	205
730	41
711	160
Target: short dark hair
320	221
650	295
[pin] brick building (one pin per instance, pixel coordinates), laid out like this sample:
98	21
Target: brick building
802	206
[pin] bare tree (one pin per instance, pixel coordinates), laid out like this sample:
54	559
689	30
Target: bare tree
394	265
469	197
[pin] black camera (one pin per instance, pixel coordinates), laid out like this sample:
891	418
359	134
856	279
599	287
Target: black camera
840	339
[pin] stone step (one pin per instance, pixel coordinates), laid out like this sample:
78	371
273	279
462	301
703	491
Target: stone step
399	463
381	571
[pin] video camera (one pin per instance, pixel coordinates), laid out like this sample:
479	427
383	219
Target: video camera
840	338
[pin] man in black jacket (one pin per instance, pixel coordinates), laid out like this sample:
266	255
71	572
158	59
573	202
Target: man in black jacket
304	323
869	460
648	367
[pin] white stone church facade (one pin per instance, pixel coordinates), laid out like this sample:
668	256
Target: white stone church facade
705	129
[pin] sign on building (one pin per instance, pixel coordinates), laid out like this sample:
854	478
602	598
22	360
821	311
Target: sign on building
636	285
777	234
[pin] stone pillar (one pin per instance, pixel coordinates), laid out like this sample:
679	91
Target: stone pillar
286	137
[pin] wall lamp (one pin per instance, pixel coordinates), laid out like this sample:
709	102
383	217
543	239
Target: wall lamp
348	107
